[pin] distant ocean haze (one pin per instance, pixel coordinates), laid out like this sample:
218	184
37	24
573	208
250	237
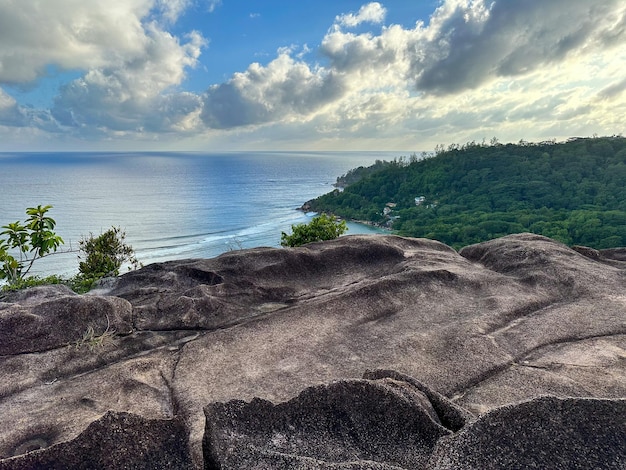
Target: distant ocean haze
171	205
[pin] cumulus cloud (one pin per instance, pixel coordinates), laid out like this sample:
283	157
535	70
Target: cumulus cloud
126	98
279	91
171	10
486	67
371	13
132	63
10	113
365	54
71	34
362	69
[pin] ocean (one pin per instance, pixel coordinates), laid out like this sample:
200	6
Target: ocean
171	205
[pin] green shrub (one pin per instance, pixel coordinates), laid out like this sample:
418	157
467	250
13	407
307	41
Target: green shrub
322	227
32	281
21	244
102	256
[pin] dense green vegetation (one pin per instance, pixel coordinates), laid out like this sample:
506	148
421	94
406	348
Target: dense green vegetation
322	227
357	174
574	192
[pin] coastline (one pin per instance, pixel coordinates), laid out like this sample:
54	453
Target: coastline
183	205
372	227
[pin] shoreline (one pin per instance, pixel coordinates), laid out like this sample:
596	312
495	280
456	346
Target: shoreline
306	209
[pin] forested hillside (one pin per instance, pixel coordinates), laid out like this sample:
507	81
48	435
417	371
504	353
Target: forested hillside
573	191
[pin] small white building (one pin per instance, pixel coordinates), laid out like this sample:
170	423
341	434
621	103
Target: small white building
419	200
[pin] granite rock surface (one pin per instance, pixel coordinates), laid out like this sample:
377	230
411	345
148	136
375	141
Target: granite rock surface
494	324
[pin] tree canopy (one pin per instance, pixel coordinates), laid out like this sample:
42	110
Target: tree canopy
574	192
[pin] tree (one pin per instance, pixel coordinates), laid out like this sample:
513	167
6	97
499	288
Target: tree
322	227
33	239
104	255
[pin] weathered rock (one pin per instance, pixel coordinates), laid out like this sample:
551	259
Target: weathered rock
237	286
397	423
497	323
348	424
617	254
546	432
115	441
450	415
48	317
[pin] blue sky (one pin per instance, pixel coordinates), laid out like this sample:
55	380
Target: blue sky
307	75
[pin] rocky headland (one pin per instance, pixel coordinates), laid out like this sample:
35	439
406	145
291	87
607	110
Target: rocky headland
366	352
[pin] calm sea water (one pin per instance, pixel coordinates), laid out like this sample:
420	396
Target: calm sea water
171	205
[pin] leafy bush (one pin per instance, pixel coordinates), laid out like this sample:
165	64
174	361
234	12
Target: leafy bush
103	256
32	239
322	227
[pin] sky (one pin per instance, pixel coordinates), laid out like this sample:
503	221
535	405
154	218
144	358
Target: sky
215	75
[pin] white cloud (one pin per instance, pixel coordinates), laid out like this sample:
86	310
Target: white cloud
363	70
364	54
138	96
132	64
213	4
172	9
478	68
70	34
371	13
282	90
10	114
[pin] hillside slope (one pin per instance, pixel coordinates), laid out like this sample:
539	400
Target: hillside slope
574	192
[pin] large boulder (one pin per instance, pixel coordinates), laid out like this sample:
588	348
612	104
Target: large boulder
48	317
546	432
496	323
215	293
383	423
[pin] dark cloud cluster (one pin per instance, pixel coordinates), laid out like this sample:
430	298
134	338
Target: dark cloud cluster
512	38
